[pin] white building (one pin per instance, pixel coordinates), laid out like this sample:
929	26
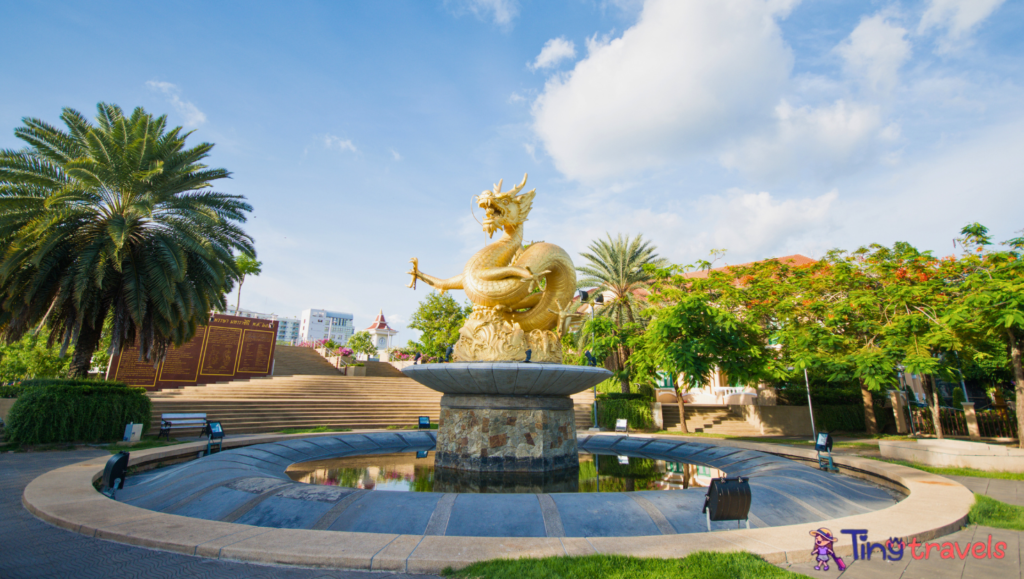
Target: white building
323	324
380	334
287	328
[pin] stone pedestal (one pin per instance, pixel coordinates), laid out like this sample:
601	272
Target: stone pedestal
506	433
972	421
506	417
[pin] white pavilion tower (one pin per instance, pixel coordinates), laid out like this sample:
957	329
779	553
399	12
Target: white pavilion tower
381	335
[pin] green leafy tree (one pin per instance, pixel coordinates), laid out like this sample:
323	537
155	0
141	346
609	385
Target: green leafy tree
115	220
31	357
615	268
362	343
438	318
837	327
700	328
607	342
919	293
993	298
246	265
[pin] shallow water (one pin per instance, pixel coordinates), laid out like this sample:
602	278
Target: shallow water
415	472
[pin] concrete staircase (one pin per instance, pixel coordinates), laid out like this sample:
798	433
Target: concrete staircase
295	361
382	370
312	400
710	419
304	401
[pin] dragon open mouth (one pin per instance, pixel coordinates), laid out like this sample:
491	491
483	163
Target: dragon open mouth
492	212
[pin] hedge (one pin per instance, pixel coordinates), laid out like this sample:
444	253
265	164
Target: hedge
75	411
850	417
636	412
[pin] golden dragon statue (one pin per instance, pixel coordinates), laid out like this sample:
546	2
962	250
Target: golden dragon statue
517	291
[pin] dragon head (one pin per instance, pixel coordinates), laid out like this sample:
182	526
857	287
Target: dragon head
505	209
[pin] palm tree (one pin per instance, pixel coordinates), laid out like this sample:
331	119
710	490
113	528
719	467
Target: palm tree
615	269
113	221
247	265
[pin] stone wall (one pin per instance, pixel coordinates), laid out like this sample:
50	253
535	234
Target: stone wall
506	433
955	453
5	407
776	420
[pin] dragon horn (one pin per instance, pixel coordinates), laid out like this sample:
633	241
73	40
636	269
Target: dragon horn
518	187
497	188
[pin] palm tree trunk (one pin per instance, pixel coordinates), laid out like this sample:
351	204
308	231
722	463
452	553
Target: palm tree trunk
1016	345
81	360
238	302
621	356
870	424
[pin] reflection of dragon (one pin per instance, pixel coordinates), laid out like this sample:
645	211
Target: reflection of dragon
516	291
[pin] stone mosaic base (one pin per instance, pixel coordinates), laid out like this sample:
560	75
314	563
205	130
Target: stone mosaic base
506	434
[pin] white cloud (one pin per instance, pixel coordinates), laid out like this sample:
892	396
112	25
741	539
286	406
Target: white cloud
192	115
394	154
501	12
555	51
957	17
874	53
758	226
688	77
516	98
826	141
333	142
749	225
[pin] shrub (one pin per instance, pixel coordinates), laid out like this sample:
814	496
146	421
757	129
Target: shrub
10	389
959	398
850	417
636	412
76	410
620	396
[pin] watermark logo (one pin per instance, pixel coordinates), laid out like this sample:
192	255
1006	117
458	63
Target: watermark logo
894	548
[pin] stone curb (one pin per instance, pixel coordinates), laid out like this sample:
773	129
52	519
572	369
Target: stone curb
65	497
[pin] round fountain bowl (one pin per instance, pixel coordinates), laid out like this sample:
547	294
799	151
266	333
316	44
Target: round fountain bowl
506	378
506	416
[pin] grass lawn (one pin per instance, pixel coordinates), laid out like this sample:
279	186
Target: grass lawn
699	565
313	430
989	512
957	471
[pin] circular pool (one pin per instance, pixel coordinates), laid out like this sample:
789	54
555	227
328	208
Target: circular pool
255	485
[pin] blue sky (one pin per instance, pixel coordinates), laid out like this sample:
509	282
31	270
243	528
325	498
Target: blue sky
359	131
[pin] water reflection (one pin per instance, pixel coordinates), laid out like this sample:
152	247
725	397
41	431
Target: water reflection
415	472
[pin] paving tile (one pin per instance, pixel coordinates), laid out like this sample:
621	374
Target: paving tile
475	515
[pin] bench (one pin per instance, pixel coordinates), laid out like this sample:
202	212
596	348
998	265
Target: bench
169	422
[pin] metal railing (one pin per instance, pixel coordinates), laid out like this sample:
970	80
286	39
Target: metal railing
997	423
952	419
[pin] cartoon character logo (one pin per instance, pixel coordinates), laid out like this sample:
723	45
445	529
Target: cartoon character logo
823	541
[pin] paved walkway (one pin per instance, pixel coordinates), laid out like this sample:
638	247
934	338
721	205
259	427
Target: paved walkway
31	548
1008	491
